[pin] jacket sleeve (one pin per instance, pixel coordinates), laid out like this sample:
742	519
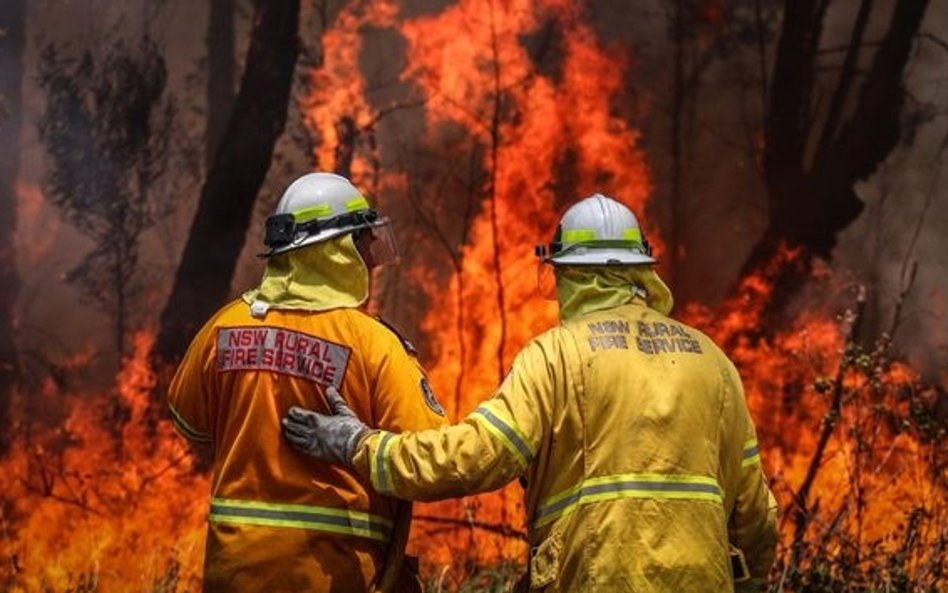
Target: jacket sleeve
402	397
752	526
493	445
188	394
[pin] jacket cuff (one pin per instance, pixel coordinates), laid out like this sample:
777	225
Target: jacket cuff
361	454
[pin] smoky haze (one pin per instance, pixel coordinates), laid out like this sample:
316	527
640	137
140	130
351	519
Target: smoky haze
721	211
472	125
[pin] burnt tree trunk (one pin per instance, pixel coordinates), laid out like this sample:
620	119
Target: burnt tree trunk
221	69
217	236
344	153
811	166
12	22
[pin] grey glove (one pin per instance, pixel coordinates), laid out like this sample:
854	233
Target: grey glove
327	438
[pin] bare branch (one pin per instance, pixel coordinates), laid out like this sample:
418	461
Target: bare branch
830	420
498	528
936	40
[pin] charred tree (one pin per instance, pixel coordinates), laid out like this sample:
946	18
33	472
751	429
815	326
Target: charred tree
12	22
202	282
221	69
702	33
345	150
814	157
107	130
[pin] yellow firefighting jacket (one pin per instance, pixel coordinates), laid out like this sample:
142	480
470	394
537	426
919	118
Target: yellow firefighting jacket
278	520
640	458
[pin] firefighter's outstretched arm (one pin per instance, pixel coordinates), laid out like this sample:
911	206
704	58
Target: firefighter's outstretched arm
493	445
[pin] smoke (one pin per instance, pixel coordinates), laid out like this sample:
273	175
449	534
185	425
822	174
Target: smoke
583	105
898	247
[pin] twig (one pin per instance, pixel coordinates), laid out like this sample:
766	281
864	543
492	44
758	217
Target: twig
489	527
152	477
382	113
14	569
801	497
439	586
908	272
936	40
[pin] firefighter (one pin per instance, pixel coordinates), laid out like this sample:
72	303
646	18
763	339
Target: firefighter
629	429
276	522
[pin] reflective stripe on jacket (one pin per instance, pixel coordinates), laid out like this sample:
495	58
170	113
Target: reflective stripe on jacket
280	521
301	516
635	419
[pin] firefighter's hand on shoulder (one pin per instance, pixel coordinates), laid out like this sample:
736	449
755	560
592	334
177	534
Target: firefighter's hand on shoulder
330	438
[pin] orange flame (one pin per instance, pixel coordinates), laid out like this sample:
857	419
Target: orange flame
536	126
875	471
338	89
99	492
540	121
477	74
105	497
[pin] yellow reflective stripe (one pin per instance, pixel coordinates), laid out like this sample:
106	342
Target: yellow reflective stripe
308	214
655	486
578	235
751	453
300	516
505	429
507	421
359	203
590	235
379	472
186	429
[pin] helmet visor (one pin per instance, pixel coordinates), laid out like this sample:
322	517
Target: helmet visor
376	244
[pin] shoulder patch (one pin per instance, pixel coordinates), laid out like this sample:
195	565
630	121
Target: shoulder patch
430	398
409	347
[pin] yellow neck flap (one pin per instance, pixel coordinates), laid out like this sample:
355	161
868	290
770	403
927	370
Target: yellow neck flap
584	289
320	277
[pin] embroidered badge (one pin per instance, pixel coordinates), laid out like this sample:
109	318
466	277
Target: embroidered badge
430	398
281	350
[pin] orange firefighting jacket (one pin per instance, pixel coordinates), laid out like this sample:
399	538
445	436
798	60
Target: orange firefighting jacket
639	455
278	520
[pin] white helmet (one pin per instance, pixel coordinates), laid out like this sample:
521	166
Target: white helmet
317	207
597	231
